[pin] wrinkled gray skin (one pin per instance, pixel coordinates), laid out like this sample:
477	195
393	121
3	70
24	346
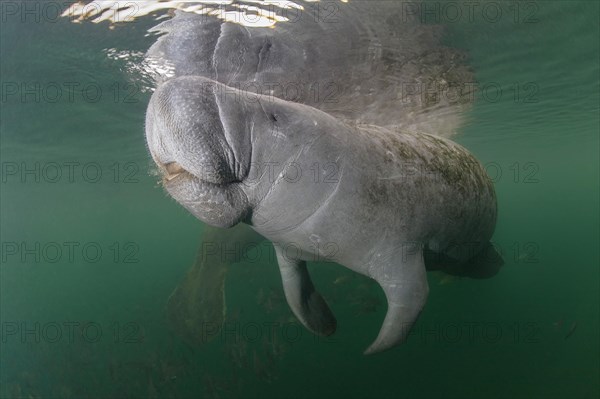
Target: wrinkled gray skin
391	196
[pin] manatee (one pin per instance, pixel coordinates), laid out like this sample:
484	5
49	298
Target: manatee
359	62
392	197
362	62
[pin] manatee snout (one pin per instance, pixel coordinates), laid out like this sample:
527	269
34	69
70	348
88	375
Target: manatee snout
202	161
183	126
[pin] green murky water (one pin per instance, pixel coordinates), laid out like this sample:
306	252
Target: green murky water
92	247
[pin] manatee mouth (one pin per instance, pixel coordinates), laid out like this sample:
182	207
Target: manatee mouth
173	170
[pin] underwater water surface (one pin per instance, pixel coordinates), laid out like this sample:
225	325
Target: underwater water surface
92	247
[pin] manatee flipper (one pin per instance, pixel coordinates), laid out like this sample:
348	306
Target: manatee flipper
197	307
404	281
306	303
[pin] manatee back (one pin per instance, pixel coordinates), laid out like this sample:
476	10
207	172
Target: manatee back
433	189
